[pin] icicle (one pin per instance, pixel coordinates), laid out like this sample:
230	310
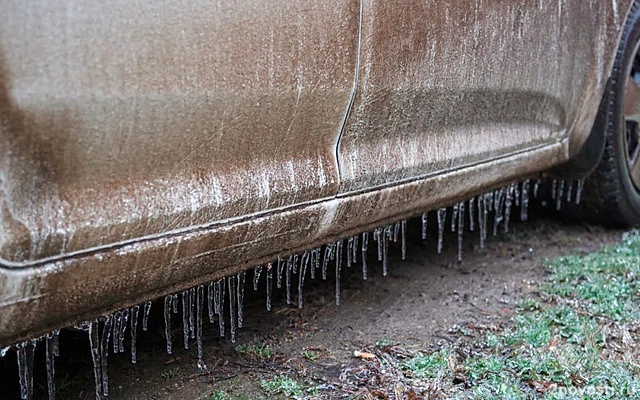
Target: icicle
559	195
241	280
313	256
219	297
424	225
454	217
524	202
281	264
134	330
365	247
270	284
507	206
569	191
377	236
349	251
490	197
325	261
26	380
175	303
318	250
580	187
482	218
123	328
303	271
145	316
386	234
499	196
295	264
210	307
396	232
116	332
94	343
354	250
288	273
554	188
167	321
50	361
216	297
536	187
442	215
339	269
231	283
199	307
104	352
471	216
4	351
403	233
192	312
460	228
516	194
304	260
257	271
185	318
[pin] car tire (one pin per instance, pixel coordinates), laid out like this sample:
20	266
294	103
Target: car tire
612	191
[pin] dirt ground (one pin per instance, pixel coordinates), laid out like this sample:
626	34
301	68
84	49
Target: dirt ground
418	305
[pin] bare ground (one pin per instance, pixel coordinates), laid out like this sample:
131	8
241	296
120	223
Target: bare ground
418	306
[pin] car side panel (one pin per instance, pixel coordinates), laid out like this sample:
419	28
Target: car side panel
125	120
444	84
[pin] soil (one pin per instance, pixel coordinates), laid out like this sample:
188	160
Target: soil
418	305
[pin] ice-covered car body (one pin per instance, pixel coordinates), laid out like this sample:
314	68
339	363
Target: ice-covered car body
155	145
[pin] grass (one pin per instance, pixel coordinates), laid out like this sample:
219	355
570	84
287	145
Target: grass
311	355
261	351
283	385
577	340
220	395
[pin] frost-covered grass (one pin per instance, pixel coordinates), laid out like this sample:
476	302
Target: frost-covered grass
578	340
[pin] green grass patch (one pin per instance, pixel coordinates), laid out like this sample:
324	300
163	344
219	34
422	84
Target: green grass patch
429	365
261	350
579	343
283	385
220	395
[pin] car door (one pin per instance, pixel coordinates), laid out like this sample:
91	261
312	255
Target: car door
127	120
448	84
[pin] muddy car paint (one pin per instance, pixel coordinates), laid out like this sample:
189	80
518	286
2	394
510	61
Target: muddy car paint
153	146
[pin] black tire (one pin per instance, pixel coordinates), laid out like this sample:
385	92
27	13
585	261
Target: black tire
612	194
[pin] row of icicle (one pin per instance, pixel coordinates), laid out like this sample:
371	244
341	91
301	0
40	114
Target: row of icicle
312	262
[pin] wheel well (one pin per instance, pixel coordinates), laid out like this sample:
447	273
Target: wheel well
590	154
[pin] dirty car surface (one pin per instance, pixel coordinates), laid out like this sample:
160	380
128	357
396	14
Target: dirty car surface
152	146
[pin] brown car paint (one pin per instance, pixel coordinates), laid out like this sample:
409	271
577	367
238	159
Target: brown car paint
153	146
